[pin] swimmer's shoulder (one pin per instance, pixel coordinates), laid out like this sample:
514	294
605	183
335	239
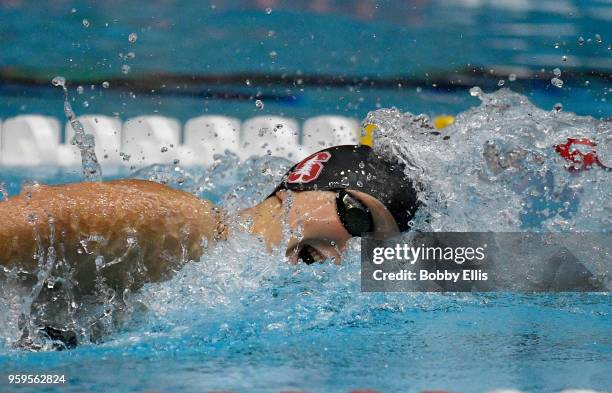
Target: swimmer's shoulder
123	189
125	196
157	191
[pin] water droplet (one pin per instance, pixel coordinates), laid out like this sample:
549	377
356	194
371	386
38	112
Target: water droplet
564	58
132	37
80	89
557	45
247	82
268	11
558	107
476	91
598	38
130	55
259	104
105	84
557	72
164	149
125	68
361	164
511	77
273	54
85	104
581	40
359	183
58	81
73	11
501	82
556	82
85	23
176	161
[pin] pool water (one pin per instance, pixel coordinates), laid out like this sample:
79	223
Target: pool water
345	58
243	320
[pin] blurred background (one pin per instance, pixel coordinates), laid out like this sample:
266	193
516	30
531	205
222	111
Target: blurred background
300	58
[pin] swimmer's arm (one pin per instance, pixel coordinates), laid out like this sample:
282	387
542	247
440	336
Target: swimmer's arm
131	231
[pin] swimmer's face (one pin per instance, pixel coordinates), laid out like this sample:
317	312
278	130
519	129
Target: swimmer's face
313	214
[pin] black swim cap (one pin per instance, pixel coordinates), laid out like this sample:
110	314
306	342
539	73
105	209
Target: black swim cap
358	168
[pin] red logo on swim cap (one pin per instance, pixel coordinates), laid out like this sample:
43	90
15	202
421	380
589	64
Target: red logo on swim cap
309	169
579	161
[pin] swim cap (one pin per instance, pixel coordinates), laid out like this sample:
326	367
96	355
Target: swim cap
358	168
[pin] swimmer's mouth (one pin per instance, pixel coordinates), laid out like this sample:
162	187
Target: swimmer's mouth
309	255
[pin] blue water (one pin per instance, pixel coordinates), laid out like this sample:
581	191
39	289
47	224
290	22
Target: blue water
414	39
241	319
306	331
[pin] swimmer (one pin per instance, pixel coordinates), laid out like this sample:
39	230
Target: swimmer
135	231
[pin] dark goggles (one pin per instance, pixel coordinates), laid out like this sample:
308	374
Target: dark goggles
353	214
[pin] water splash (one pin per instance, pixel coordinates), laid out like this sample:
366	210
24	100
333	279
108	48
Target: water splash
556	82
85	142
497	171
496	168
3	192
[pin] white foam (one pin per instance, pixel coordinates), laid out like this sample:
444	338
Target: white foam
499	170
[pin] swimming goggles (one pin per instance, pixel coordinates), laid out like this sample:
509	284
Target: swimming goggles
353	214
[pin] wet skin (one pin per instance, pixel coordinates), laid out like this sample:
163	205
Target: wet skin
150	230
136	226
313	215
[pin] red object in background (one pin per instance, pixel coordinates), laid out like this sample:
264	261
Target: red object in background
581	161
